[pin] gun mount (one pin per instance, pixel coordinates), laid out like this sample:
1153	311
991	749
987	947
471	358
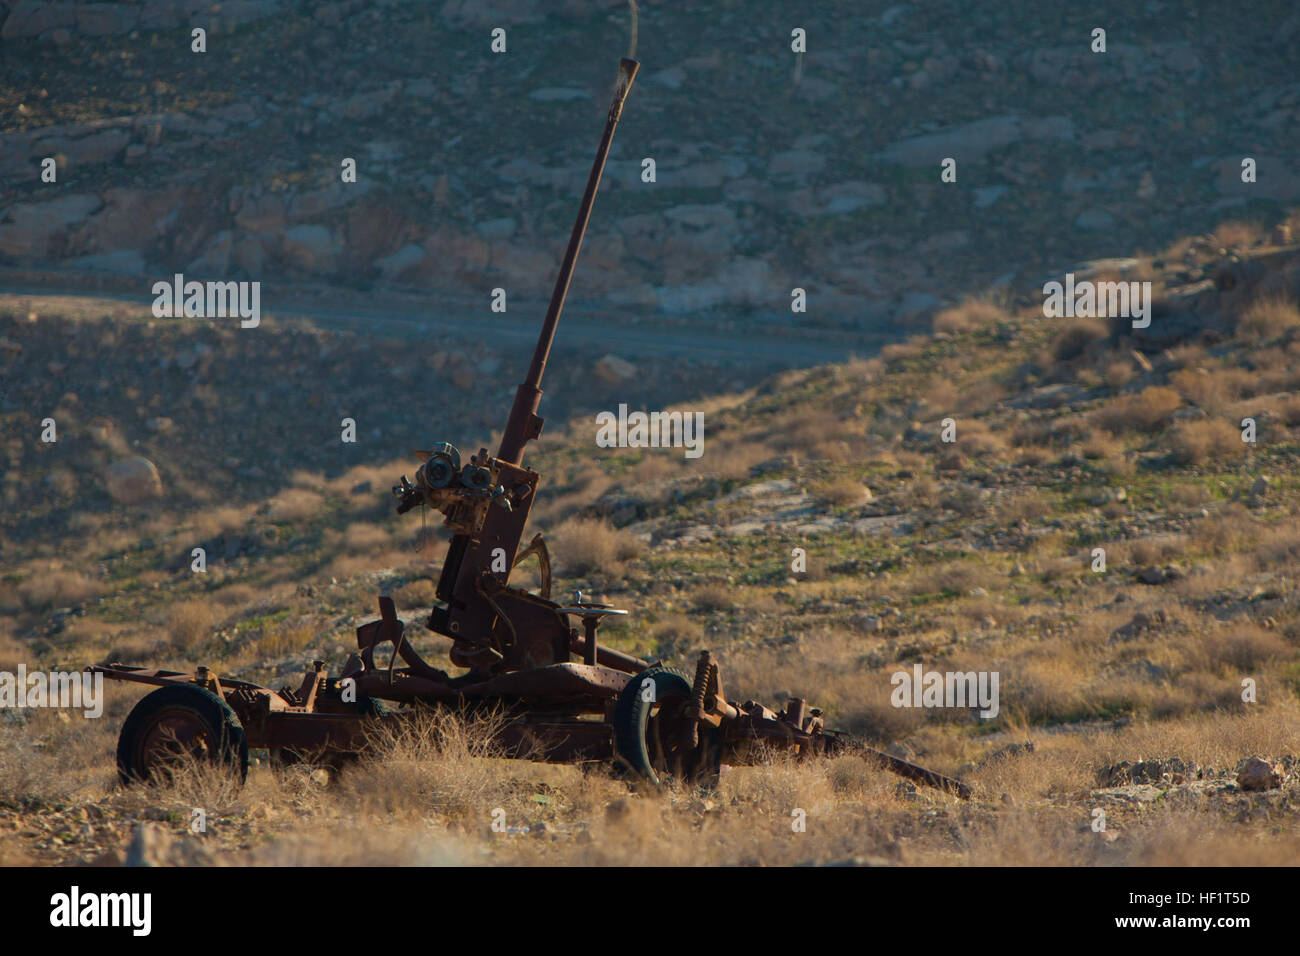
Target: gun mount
517	648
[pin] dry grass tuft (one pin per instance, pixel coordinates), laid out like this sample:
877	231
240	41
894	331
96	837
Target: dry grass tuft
1267	319
841	492
57	588
293	505
1147	410
1077	340
584	546
189	622
1198	442
969	316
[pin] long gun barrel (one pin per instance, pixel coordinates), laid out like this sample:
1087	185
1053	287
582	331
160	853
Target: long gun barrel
912	772
524	423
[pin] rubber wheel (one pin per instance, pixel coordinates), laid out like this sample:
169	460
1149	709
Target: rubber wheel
175	723
647	735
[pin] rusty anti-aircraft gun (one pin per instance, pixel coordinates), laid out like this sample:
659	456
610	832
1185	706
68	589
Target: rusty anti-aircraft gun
517	647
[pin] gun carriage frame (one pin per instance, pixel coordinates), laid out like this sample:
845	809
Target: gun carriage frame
562	695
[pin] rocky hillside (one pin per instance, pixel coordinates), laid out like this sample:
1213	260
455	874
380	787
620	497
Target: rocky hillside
774	169
1121	682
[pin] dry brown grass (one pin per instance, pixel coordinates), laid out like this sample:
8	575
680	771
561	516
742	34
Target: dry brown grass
713	597
418	593
1227	531
584	546
1031	506
976	439
362	537
841	492
969	316
896	353
1212	390
1118	373
1209	439
1267	319
1147	410
1077	340
1278	547
1237	235
12	653
436	763
293	505
55	588
189	622
1236	649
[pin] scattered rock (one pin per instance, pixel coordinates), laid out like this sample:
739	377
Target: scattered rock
132	481
867	623
1159	770
1139	623
613	370
971	142
1258	773
1258	491
1152	575
310	248
149	846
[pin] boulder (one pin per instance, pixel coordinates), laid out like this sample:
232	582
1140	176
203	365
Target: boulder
1258	773
133	480
102	146
153	845
32	225
310	248
849	197
214	260
106	19
972	142
405	258
32	19
1258	491
613	370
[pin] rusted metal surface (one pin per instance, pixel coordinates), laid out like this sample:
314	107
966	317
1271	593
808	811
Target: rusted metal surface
515	647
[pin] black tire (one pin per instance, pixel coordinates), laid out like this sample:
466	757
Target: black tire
218	735
373	707
637	739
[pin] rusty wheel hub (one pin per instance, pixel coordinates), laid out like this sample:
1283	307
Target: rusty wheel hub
175	737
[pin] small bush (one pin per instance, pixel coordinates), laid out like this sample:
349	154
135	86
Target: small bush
1214	389
1210	439
52	589
1267	319
189	622
968	316
843	492
1229	531
1119	373
364	536
1076	339
589	545
713	597
1145	411
293	504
